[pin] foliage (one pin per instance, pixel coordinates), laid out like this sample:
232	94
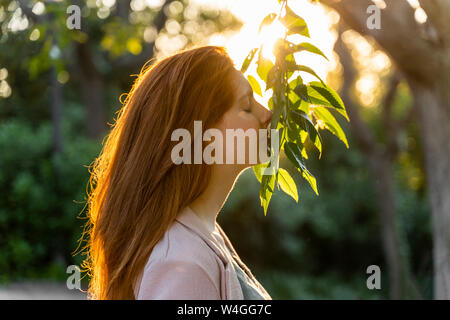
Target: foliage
114	34
41	197
320	249
299	109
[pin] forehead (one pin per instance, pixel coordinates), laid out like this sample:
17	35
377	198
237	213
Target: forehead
241	84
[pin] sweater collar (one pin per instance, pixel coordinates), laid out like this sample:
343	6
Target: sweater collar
189	219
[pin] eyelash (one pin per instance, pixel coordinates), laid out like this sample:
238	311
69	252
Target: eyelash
249	110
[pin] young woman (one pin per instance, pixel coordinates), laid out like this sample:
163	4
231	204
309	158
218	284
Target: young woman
152	223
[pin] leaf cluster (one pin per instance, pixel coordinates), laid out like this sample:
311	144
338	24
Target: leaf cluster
300	110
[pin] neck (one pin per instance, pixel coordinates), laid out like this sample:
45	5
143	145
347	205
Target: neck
208	205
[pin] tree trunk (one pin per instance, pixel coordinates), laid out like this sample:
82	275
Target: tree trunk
434	121
93	97
93	92
55	110
422	53
381	173
401	282
379	156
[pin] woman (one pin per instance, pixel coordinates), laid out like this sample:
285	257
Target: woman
152	223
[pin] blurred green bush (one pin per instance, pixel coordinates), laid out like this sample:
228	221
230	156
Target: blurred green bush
41	195
320	248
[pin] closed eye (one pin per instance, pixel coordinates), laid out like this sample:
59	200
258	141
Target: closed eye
249	109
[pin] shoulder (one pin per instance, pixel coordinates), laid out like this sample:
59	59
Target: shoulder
182	266
182	244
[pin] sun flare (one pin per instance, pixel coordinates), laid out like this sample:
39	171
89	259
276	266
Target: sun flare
268	37
252	12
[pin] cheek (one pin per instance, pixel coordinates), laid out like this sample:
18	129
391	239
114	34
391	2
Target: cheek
239	120
244	121
250	122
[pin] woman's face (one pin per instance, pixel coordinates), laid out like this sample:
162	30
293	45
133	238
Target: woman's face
249	116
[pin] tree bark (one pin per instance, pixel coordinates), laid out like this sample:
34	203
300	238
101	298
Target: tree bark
382	173
92	80
93	92
56	101
422	53
434	122
380	157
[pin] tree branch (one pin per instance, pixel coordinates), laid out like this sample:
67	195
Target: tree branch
148	52
123	9
28	12
390	127
438	12
399	30
362	132
407	119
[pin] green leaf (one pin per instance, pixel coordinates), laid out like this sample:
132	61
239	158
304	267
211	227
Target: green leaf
294	23
267	20
301	105
305	122
310	48
294	154
330	122
248	60
277	109
270	104
293	133
285	49
294	83
297	136
297	95
266	190
264	66
303	135
272	77
302	91
257	172
311	180
304	154
254	84
257	169
317	99
287	184
330	96
310	71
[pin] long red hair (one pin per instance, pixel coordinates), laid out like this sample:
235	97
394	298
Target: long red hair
136	191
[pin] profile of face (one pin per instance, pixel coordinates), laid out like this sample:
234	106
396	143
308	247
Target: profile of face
245	117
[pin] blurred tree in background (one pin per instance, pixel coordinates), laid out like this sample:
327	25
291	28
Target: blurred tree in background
415	34
59	88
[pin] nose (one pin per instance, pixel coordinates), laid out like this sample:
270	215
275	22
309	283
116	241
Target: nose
266	115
